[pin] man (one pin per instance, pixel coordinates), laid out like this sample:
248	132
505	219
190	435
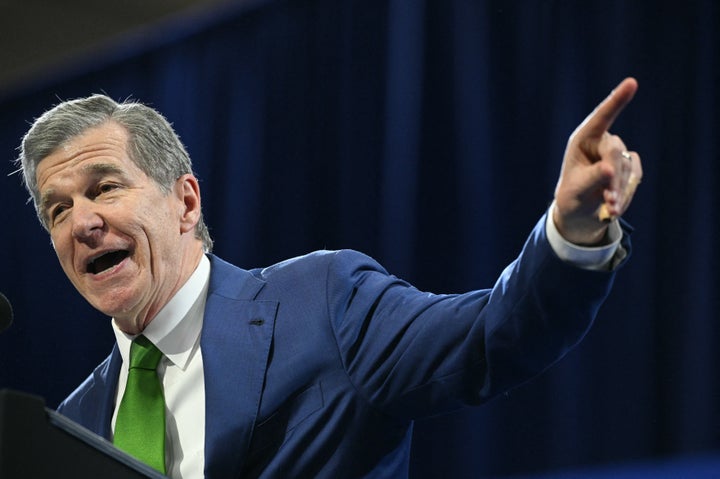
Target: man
317	366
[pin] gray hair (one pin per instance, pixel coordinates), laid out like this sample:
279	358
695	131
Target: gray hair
152	145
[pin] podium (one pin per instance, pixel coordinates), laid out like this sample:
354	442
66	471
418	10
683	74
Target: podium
40	443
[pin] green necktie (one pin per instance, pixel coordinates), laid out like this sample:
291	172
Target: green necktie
140	423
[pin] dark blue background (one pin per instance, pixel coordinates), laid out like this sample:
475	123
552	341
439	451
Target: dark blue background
428	134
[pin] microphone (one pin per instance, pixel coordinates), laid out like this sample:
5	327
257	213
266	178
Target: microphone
6	313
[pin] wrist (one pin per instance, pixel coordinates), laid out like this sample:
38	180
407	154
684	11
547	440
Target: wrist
580	231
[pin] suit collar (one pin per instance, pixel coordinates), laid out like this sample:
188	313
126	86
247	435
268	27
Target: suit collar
230	281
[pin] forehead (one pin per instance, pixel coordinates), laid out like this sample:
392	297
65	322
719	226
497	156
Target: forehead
104	144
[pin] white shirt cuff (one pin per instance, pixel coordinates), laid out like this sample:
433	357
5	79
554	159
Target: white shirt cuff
586	257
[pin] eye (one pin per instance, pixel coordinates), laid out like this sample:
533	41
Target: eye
56	212
106	188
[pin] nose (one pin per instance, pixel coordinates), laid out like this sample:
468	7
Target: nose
87	223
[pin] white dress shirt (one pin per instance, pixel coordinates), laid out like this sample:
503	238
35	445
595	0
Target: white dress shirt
176	332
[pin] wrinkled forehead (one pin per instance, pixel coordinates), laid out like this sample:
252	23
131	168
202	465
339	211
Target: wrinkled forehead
101	149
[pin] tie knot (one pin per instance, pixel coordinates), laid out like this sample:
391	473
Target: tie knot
144	354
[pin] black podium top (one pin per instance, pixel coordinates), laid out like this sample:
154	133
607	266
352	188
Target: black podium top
40	443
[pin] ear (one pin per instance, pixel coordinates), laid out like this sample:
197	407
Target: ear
187	190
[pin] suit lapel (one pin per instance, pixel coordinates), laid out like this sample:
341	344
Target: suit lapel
235	342
92	404
109	382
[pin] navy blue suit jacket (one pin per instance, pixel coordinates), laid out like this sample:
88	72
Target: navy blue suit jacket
317	366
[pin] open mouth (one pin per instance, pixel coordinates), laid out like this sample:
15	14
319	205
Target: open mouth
106	261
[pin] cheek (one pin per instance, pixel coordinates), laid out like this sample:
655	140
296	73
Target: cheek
159	228
161	220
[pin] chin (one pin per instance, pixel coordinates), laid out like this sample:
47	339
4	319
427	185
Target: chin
115	305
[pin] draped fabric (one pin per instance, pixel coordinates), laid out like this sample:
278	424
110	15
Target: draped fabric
428	134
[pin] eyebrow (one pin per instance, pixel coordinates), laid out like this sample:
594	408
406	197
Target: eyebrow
103	168
94	169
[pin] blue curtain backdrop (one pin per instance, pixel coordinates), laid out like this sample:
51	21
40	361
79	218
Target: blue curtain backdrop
428	134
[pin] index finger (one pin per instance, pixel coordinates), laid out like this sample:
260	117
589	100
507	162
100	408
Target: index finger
602	118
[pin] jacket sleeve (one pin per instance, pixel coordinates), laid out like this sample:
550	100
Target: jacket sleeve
414	354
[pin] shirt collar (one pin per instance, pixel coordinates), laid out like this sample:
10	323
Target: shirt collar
176	328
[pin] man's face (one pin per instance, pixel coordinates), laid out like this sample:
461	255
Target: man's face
119	238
